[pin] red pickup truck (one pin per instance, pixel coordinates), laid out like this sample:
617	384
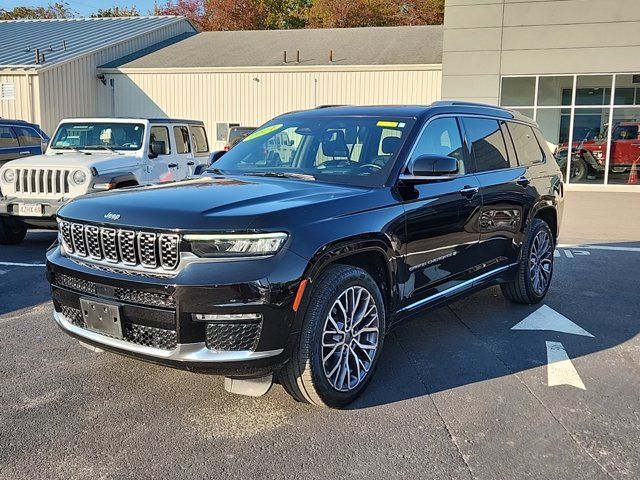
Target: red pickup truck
589	156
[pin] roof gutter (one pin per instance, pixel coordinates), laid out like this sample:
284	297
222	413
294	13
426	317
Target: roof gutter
276	69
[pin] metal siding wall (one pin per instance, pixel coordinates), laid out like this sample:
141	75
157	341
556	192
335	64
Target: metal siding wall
20	107
72	89
236	97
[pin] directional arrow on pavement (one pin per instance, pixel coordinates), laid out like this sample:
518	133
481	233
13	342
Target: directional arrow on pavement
560	369
546	318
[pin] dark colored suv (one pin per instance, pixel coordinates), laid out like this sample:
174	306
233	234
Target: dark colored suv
299	270
19	139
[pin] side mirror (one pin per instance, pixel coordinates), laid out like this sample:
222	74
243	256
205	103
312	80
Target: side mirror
155	149
215	156
431	167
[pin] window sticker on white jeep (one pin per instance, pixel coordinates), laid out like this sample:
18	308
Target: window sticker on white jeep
263	131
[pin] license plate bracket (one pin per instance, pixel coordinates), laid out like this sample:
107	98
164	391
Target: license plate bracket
102	317
30	210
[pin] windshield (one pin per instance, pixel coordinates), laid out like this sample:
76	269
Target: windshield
99	136
346	150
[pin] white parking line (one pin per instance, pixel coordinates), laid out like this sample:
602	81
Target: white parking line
19	264
601	247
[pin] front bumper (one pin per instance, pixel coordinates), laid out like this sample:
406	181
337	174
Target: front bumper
158	314
9	207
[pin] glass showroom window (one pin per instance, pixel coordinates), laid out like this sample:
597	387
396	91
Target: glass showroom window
580	111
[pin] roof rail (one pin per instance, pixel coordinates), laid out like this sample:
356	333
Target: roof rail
329	106
458	103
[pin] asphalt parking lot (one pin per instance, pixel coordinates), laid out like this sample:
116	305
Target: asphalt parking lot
459	393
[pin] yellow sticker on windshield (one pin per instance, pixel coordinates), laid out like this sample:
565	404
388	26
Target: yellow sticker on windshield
263	131
387	123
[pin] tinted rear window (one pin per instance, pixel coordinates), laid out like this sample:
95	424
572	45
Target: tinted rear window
527	148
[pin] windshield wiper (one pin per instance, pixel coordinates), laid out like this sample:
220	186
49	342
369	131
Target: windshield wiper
71	147
216	171
298	176
103	147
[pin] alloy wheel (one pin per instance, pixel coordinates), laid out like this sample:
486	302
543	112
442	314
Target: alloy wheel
350	338
541	262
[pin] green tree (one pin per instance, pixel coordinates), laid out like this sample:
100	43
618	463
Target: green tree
53	10
116	11
239	14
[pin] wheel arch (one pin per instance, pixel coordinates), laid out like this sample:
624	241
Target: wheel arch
550	216
370	253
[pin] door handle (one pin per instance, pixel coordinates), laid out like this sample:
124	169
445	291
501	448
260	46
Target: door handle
26	152
523	182
469	192
172	165
191	164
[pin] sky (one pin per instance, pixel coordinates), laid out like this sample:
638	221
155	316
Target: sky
84	7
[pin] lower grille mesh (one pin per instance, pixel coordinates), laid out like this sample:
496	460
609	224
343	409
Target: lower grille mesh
123	294
151	336
234	336
134	333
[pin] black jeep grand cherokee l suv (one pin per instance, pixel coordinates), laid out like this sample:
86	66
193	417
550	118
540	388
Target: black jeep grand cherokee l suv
296	264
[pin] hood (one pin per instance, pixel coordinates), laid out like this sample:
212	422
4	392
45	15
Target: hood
214	204
103	162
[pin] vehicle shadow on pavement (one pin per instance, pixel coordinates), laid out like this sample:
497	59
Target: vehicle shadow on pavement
23	283
471	340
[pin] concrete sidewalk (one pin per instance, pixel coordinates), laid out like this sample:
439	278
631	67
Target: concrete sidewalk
601	217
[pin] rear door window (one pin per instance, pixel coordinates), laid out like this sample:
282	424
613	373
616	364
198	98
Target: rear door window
27	137
527	148
487	143
182	139
8	138
199	137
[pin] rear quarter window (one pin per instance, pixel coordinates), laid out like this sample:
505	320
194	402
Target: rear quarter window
526	144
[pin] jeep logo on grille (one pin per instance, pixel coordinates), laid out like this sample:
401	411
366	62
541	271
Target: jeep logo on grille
112	216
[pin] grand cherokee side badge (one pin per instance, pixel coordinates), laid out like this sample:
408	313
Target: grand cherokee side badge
112	216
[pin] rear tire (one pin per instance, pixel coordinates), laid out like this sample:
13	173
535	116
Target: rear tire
340	341
12	231
535	268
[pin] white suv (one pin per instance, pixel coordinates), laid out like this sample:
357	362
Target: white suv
92	154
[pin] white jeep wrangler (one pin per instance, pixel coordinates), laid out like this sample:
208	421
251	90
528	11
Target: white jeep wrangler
92	154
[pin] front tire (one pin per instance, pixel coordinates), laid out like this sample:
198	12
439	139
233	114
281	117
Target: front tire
12	231
340	341
535	269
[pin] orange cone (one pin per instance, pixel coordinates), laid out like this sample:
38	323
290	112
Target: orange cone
633	174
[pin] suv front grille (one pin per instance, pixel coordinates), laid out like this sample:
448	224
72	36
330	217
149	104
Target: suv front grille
41	181
233	336
139	334
125	247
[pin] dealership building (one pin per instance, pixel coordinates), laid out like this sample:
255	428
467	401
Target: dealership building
572	65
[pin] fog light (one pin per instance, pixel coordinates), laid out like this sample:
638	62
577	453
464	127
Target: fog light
227	317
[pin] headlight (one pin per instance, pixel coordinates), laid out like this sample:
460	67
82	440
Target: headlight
78	177
8	175
232	245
